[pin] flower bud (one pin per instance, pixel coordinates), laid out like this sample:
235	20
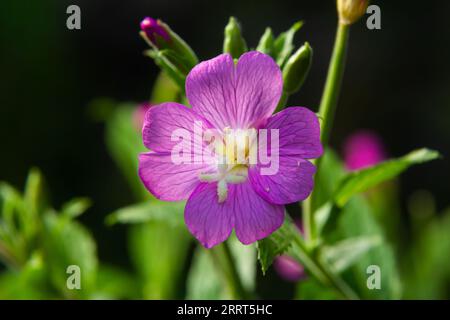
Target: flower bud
161	37
351	10
154	31
296	69
265	44
234	43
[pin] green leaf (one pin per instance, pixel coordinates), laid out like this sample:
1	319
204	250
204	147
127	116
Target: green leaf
30	283
359	181
245	257
426	267
276	244
164	89
345	253
204	280
75	207
358	220
114	283
283	45
169	212
34	196
311	289
158	251
328	178
124	143
66	242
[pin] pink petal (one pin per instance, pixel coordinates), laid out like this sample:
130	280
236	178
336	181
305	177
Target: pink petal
211	222
293	182
166	180
255	218
258	87
299	132
163	120
232	96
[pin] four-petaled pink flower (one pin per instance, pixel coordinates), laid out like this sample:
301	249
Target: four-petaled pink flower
224	96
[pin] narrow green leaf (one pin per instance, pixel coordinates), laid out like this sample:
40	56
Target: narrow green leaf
170	212
75	207
345	253
359	181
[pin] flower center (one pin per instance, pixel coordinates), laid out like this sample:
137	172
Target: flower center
233	159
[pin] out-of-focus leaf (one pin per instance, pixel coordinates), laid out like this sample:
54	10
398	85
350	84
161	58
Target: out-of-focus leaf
204	280
245	258
75	207
114	283
283	45
357	220
30	283
13	238
327	180
426	269
66	243
34	195
164	90
125	143
168	212
158	250
311	289
359	181
345	253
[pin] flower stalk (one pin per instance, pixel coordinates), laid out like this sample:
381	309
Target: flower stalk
327	111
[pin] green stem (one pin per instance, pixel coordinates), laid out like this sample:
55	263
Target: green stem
327	110
225	262
333	83
321	271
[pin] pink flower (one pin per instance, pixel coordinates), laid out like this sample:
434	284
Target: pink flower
220	197
363	149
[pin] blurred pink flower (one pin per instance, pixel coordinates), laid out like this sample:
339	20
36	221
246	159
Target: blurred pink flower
287	267
139	115
363	149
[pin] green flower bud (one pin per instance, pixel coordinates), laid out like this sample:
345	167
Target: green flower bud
234	43
266	42
351	10
160	37
296	69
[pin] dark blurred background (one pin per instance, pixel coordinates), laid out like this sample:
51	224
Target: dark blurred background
396	84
